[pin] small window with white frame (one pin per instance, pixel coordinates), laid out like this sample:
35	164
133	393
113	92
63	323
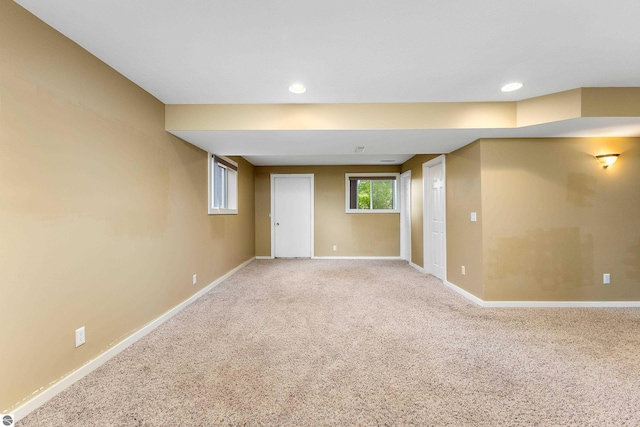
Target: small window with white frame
223	185
372	192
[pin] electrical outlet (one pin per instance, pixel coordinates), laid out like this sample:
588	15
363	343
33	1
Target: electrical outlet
80	337
606	278
464	270
195	279
335	248
474	217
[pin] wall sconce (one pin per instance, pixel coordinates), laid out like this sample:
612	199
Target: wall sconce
607	160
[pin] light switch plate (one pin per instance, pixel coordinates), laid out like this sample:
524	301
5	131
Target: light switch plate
474	217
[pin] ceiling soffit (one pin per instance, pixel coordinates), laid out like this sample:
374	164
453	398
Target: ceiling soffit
577	103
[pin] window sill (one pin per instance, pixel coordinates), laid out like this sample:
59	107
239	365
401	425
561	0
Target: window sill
373	211
223	211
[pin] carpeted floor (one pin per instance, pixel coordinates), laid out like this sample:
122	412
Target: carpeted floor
340	343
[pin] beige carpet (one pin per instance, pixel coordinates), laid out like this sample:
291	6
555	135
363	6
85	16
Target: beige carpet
340	343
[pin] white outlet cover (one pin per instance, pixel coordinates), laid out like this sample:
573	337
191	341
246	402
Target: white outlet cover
195	279
474	217
80	337
606	279
464	270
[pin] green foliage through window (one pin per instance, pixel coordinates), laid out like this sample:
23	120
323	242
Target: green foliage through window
372	193
364	194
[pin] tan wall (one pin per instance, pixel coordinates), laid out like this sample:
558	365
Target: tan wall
414	115
102	213
554	220
354	234
464	237
550	108
581	102
611	102
414	164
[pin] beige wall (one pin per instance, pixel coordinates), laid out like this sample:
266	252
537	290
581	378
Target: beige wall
413	115
551	220
414	165
464	238
554	220
102	213
550	108
610	102
353	234
555	107
581	102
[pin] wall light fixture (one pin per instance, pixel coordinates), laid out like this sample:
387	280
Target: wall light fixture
607	160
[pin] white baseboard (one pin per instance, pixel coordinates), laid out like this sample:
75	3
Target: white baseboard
417	267
40	399
464	293
541	304
551	304
395	258
343	257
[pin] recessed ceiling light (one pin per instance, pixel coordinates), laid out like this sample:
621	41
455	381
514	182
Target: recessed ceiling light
297	88
387	161
511	87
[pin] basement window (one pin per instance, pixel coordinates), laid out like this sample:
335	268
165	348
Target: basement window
223	186
372	192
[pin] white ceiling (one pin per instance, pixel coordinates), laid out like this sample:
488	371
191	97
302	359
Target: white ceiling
250	51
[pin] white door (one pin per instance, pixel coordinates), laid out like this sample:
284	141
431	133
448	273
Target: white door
435	217
405	216
292	216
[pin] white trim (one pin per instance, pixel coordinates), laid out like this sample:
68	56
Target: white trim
264	257
551	304
395	258
218	211
403	244
425	213
273	207
39	400
417	267
373	211
541	304
396	198
213	211
464	293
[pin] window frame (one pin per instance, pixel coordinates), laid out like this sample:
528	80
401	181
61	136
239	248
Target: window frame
375	176
230	194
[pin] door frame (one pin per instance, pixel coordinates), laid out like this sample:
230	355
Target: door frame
273	206
426	216
403	244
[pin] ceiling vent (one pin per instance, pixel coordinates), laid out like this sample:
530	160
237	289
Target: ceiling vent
359	150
